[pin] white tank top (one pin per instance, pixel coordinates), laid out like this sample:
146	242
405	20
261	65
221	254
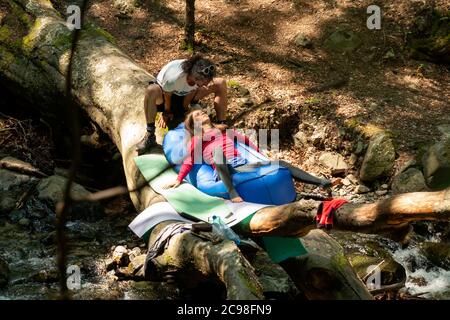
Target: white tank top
172	78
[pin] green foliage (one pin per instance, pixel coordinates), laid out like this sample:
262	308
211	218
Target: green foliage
186	47
233	84
92	30
20	14
5	33
29	40
6	58
313	100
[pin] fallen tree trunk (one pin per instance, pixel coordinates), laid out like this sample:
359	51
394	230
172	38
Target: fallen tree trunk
384	216
109	87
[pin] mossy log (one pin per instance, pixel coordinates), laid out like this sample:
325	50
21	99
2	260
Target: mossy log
109	86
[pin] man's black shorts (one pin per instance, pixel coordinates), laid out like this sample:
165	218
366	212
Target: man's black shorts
176	107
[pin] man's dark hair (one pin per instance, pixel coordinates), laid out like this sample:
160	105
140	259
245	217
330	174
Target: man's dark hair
199	67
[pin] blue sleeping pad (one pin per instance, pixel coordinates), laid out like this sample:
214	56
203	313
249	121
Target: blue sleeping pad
269	184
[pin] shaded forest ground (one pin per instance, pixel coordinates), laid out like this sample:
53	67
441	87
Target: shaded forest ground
253	42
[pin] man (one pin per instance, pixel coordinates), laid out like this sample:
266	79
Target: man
179	84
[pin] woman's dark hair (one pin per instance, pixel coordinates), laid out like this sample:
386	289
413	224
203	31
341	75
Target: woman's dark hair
199	67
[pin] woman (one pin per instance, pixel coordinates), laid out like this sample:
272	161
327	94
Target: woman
218	150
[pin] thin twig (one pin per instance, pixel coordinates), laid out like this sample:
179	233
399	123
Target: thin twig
63	207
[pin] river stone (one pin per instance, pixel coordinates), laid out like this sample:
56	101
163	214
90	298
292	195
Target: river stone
12	186
136	264
437	253
436	165
363	250
379	158
391	272
411	180
52	188
120	256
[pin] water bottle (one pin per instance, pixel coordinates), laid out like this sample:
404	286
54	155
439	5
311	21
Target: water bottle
225	230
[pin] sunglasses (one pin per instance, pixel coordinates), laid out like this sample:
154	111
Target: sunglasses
208	70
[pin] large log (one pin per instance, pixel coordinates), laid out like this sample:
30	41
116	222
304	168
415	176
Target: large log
384	216
109	87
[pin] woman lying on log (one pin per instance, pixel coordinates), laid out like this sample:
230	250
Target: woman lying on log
219	151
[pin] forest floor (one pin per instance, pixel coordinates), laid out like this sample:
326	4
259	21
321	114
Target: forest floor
253	42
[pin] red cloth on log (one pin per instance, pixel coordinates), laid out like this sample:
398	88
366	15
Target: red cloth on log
325	212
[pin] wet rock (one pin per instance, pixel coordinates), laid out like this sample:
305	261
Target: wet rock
148	290
136	251
120	256
391	272
136	264
343	41
4	273
437	253
52	188
379	158
411	180
334	162
12	186
364	251
436	165
110	264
